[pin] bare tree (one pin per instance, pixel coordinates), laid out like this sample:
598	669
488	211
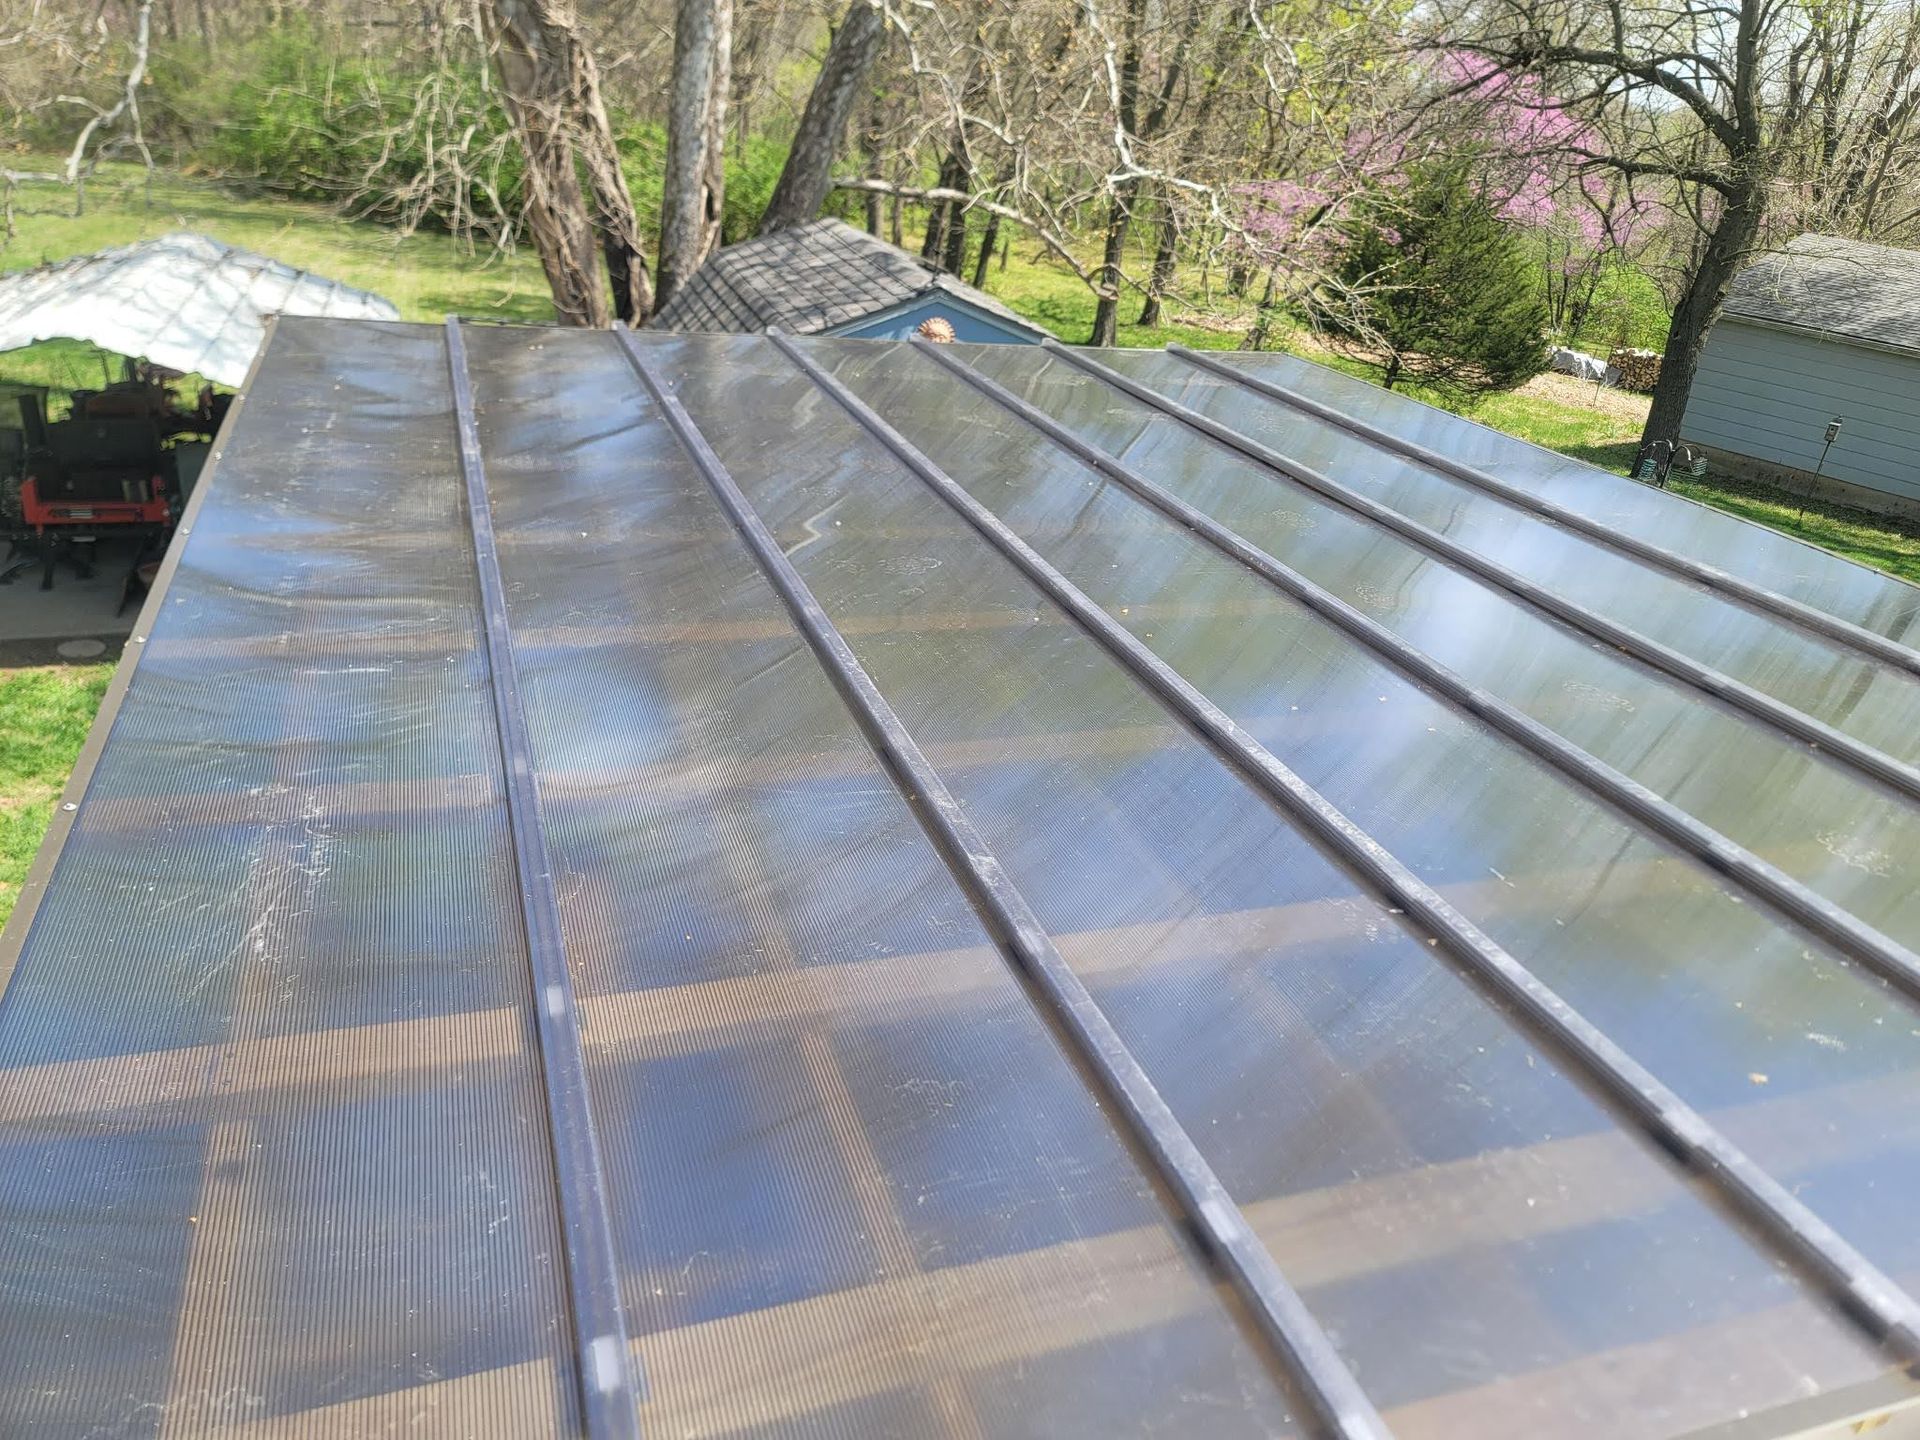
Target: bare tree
552	91
1197	139
808	174
1858	74
127	106
692	188
715	179
40	37
1121	62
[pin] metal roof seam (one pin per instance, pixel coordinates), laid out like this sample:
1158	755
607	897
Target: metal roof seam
1797	902
604	1362
1833	627
1861	1290
1302	1347
1896	774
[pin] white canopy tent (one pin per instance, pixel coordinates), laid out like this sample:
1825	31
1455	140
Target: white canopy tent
184	301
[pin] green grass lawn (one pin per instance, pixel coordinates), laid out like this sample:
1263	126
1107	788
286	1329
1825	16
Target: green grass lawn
44	715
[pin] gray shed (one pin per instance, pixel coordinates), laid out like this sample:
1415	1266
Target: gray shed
1824	330
827	278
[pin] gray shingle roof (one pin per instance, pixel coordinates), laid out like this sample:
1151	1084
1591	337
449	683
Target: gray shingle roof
1844	288
809	279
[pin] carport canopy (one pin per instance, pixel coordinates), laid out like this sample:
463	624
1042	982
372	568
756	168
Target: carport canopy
184	301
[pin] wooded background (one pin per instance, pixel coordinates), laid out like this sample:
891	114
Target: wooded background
1363	167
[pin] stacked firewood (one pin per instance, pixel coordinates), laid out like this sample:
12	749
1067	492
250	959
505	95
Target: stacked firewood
1638	369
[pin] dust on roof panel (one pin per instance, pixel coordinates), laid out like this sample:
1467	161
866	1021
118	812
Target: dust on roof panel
855	1176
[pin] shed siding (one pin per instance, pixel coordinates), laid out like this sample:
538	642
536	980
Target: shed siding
1769	394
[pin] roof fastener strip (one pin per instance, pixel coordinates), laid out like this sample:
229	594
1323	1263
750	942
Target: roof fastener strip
609	1396
1896	774
1283	1318
1861	1289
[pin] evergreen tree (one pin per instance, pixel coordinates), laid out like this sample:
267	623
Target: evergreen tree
1439	287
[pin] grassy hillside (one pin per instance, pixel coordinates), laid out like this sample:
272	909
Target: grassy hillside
44	715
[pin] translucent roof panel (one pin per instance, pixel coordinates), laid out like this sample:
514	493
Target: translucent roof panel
880	889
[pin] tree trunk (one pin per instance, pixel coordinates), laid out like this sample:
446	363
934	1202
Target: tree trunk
808	173
1256	338
683	200
987	244
940	215
1164	255
1106	314
1727	249
552	94
935	240
713	228
954	258
870	154
556	208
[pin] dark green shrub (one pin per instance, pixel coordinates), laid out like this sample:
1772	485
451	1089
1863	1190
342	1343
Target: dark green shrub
1440	288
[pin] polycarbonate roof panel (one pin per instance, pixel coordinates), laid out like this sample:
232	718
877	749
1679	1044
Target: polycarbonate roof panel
278	1094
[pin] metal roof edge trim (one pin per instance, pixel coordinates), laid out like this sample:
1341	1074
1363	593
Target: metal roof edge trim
13	937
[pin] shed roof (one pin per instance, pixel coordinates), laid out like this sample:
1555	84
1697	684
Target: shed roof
185	301
833	887
1848	289
812	278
